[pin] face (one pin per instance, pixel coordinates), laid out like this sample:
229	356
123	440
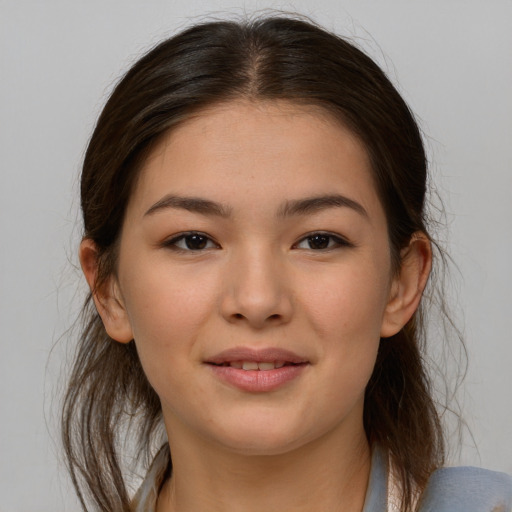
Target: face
255	276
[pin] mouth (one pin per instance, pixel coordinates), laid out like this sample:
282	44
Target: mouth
263	359
257	370
257	365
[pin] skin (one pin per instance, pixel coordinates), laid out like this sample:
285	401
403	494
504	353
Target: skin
259	282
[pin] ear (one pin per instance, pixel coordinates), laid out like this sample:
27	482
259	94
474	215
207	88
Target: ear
107	296
408	285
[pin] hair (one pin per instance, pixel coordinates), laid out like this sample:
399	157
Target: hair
272	58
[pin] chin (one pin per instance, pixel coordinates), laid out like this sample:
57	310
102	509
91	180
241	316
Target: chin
264	437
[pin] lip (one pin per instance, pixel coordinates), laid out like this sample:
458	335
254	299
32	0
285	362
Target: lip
257	381
264	355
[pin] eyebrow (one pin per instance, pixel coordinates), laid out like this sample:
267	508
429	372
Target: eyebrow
191	204
290	208
319	203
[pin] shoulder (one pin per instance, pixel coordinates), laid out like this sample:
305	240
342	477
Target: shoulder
467	489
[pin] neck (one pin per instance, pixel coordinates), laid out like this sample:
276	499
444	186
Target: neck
326	475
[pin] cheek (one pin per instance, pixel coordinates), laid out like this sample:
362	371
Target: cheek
167	311
160	299
348	304
346	312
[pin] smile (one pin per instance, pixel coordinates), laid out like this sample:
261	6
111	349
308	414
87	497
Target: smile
257	370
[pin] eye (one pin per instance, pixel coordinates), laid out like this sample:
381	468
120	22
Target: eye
192	241
322	241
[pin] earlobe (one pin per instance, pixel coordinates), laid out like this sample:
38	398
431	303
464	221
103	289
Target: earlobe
106	295
407	287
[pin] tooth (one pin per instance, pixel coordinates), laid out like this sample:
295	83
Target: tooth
236	364
279	364
249	365
266	366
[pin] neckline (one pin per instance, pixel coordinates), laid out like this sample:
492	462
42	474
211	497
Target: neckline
376	498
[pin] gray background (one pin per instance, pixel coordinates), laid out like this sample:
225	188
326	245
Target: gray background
452	60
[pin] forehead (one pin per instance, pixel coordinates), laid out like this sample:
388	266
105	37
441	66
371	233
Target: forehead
271	150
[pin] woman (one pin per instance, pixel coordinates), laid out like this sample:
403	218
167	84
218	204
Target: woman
256	247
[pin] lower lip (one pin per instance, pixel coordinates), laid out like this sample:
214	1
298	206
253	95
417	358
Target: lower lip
258	381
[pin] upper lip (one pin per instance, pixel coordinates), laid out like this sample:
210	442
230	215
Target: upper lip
261	355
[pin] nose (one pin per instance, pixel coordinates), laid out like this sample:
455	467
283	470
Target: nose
257	290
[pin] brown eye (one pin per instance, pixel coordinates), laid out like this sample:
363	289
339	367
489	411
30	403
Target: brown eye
322	241
195	242
192	242
318	241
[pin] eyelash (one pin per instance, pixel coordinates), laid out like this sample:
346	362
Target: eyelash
336	239
333	242
184	237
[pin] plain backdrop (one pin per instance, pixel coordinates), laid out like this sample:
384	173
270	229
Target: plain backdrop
452	60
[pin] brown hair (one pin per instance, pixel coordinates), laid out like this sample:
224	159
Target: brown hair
269	58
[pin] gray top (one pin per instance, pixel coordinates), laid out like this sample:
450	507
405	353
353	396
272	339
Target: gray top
457	489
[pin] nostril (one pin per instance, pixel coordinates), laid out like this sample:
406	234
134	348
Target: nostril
240	316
